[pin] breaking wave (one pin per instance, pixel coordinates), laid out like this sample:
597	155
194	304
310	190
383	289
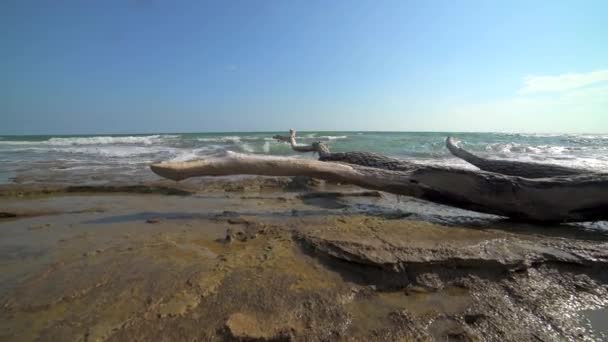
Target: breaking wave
34	154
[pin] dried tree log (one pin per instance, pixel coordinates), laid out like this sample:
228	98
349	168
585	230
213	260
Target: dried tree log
505	167
358	158
512	168
318	146
558	199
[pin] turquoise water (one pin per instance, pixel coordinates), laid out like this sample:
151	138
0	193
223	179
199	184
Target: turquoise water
36	158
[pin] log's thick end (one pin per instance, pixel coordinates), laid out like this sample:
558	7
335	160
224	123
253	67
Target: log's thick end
166	171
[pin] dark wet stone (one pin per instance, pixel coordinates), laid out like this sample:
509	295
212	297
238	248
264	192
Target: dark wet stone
302	183
238	220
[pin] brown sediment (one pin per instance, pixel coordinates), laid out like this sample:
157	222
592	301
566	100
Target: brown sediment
23	213
337	194
164	187
41	190
224	268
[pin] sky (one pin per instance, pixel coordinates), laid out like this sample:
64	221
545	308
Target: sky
120	66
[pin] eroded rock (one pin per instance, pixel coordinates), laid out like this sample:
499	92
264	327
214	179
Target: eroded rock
246	327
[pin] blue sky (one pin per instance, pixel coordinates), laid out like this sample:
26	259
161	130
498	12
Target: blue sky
175	66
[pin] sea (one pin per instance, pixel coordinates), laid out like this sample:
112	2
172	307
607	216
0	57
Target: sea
97	158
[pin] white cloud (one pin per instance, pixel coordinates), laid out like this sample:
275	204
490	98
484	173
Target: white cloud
549	104
563	82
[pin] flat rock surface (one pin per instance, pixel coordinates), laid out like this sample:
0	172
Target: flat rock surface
279	266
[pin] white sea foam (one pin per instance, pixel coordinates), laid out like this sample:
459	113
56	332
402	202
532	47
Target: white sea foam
333	137
517	148
141	140
224	139
128	152
98	140
188	154
115	151
247	148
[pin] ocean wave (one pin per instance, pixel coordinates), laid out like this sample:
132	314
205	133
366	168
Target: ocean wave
223	139
332	137
587	151
533	135
116	151
109	140
97	140
193	154
89	152
247	148
322	137
516	148
572	136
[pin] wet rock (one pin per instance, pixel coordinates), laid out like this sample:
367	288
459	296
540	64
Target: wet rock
420	249
430	280
178	304
232	235
361	278
447	329
340	194
396	215
416	290
234	187
152	221
238	220
274	198
248	232
584	282
138	189
474	318
246	327
40	226
303	183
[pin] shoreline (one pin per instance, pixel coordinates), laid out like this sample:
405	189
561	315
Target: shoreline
270	258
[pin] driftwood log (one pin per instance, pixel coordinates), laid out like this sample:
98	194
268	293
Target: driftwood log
512	168
505	167
358	158
518	190
558	199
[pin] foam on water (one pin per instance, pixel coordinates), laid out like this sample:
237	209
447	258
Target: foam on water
332	137
96	140
222	139
34	154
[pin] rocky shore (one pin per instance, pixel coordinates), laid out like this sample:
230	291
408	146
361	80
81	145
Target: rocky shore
280	259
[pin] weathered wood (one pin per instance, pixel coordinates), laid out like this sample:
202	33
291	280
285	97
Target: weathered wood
512	168
505	167
369	159
317	147
358	158
557	199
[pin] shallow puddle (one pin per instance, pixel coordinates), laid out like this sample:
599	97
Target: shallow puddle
371	313
595	323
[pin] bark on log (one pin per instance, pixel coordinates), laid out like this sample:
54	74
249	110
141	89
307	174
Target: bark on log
358	158
512	168
317	147
505	167
558	199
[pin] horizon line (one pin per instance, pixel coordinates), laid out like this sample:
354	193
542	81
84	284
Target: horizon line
304	131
